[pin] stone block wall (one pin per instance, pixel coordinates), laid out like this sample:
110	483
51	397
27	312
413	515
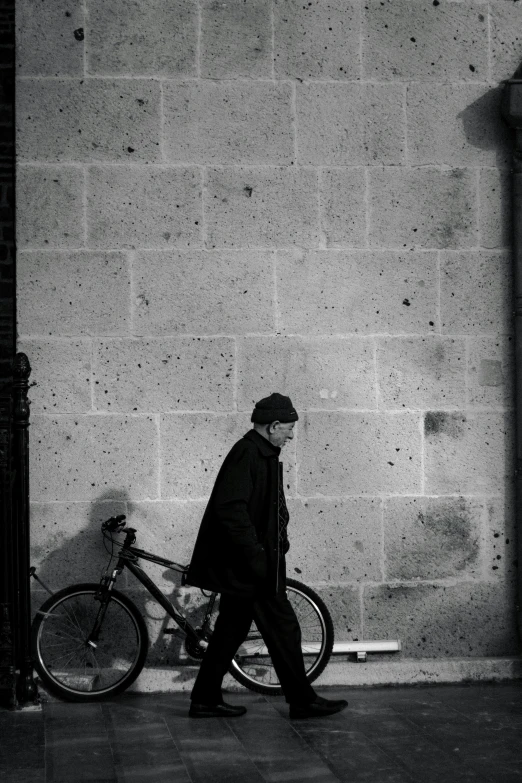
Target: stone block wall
217	200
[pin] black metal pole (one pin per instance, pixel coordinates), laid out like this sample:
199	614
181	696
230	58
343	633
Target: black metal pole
26	688
512	113
7	640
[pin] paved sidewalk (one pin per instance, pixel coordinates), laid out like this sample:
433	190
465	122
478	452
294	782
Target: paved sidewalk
438	734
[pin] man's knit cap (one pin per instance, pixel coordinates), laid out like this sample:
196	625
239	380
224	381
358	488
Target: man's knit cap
277	407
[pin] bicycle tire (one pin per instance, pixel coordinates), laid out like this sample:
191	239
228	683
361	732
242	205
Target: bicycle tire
67	665
257	673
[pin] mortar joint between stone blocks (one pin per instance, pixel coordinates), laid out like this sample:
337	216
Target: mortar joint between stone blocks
162	121
405	121
367	207
235	376
204	194
293	103
157	421
272	39
198	39
323	244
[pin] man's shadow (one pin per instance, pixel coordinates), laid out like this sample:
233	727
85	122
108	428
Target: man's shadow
86	555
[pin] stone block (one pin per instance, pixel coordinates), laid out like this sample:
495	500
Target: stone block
422	207
167	528
335	541
212	122
501	540
408	40
467	619
490	380
66	541
359	454
193	447
344	606
343	207
421	372
203	292
350	124
505	21
476	293
432	538
48	41
236	39
88	119
334	291
495	208
94	457
139	206
327	373
190	373
60	375
456	125
72	293
49	203
156	38
317	40
467	453
264	207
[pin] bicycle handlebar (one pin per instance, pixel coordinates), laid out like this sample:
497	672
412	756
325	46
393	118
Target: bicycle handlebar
114	523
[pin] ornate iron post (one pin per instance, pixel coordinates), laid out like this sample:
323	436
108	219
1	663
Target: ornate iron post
7	641
26	687
512	113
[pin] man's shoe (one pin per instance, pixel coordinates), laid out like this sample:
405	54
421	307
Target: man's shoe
215	710
318	708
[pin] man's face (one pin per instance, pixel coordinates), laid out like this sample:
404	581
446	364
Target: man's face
280	433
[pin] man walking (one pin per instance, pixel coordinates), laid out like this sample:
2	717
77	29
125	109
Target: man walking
240	553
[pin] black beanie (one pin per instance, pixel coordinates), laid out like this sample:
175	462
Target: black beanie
274	408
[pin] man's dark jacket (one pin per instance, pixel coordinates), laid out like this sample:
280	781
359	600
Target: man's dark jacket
237	550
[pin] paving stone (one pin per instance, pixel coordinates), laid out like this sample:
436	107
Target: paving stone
462	612
60	380
421	372
335	540
476	293
506	19
456	125
467	452
127	37
49	204
317	40
422	207
66	542
236	39
343	207
88	119
405	40
263	207
165	210
325	373
72	293
203	292
350	124
495	208
228	122
189	471
162	374
85	457
365	292
432	538
490	380
48	41
358	453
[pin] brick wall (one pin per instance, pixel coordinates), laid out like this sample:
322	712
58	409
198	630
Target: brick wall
220	200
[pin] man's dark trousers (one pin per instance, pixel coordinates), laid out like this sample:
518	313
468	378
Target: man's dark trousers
278	625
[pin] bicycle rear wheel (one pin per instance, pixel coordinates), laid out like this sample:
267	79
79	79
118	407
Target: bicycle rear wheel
74	668
252	665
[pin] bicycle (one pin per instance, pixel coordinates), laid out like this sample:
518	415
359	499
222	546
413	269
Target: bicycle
90	641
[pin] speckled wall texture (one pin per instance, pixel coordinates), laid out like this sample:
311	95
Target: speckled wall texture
218	199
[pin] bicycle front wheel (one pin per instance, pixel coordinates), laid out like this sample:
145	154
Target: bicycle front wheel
252	666
69	663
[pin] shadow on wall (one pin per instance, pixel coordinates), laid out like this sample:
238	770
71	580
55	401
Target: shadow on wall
82	557
485	129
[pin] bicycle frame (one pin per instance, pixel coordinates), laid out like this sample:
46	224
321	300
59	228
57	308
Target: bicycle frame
128	557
